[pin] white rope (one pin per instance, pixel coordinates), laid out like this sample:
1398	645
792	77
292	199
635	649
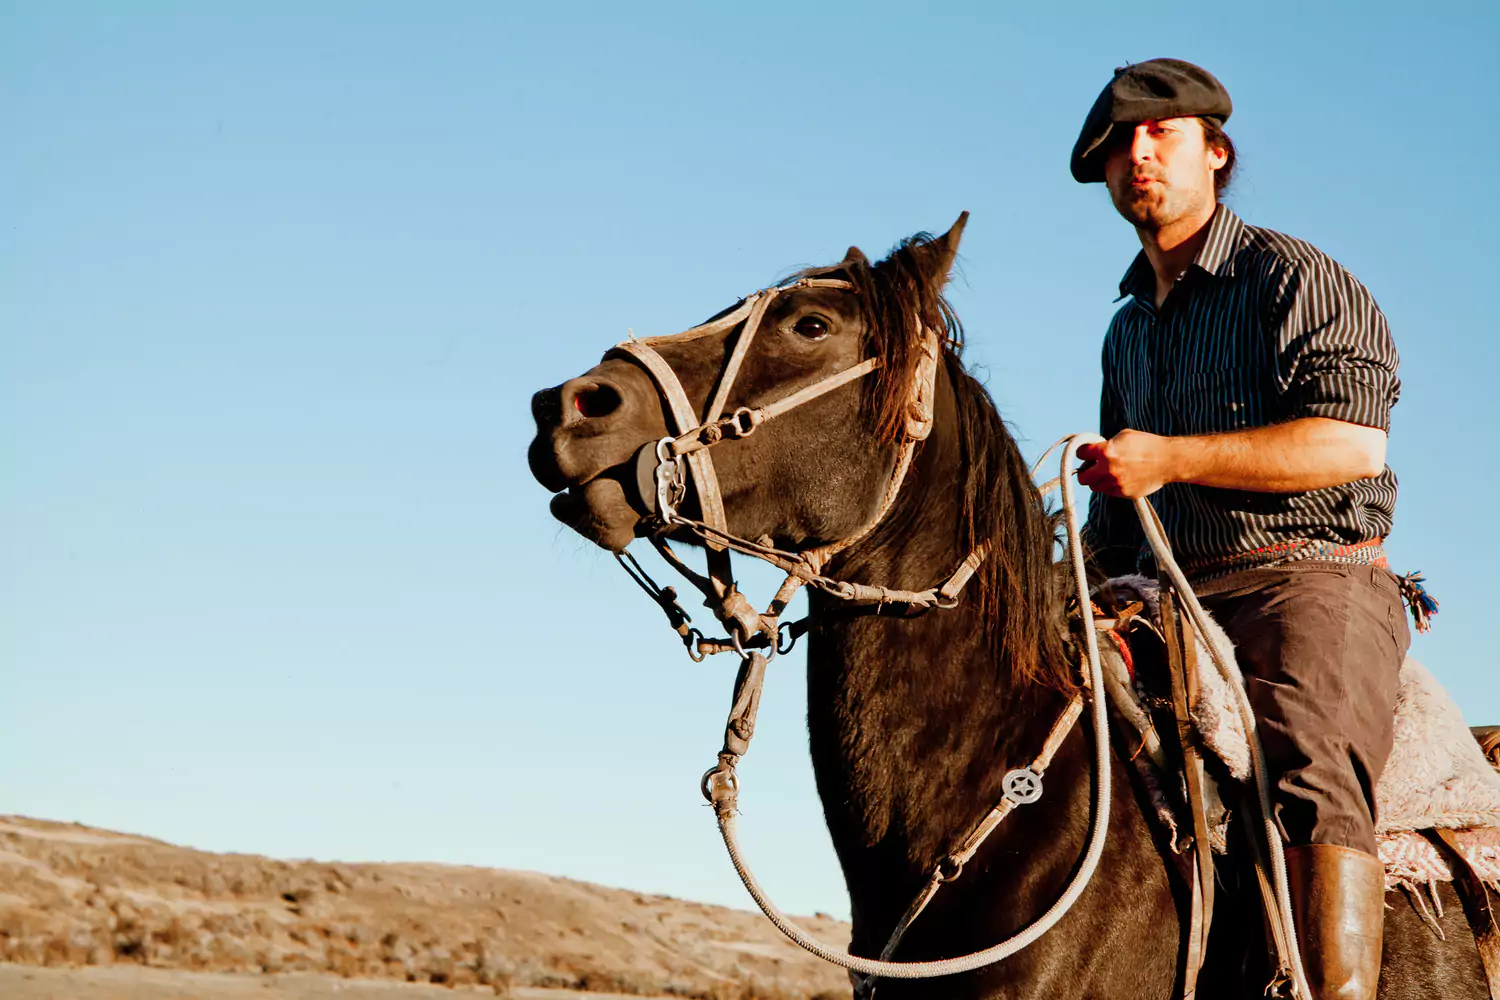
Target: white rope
1099	827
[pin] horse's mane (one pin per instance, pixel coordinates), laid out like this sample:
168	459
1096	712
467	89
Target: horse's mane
1016	588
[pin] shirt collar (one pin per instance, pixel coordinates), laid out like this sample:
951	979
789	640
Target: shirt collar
1139	279
1226	232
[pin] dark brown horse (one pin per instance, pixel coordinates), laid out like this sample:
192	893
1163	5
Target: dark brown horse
913	720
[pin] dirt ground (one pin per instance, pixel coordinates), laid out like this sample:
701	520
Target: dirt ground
28	982
109	914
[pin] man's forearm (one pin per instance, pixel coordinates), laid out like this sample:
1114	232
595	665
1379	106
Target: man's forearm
1300	455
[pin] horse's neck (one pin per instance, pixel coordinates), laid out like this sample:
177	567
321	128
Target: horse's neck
904	729
913	721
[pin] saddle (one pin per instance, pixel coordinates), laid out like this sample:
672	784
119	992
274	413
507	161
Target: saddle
1488	738
1437	802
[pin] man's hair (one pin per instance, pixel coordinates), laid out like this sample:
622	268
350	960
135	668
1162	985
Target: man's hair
1214	137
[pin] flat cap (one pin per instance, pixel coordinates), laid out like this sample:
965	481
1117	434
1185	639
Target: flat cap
1156	88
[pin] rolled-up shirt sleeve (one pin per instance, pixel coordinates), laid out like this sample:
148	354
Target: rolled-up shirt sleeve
1334	354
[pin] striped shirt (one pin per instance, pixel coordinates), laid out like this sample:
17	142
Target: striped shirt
1260	329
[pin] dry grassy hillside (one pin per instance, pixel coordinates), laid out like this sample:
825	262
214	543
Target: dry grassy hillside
72	895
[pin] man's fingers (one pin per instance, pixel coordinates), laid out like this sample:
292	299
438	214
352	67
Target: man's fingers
1097	477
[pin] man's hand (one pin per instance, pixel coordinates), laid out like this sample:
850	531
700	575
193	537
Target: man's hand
1131	464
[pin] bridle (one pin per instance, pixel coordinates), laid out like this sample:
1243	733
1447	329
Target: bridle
664	468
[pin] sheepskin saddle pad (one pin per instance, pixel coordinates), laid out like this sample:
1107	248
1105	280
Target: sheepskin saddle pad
1437	776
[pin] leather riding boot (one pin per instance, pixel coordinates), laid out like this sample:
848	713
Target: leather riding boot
1338	902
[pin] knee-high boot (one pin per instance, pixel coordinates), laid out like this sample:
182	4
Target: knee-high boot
1338	902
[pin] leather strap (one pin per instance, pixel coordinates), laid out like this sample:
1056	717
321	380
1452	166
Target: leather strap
705	479
745	420
1182	665
1276	930
1489	743
951	866
1479	906
724	322
736	358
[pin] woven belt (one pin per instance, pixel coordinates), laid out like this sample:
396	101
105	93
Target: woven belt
1366	553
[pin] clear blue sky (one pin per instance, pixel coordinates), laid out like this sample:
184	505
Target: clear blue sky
277	282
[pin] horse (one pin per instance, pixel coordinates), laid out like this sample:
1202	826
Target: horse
913	719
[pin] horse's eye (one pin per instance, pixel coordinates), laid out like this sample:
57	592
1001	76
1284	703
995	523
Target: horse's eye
811	327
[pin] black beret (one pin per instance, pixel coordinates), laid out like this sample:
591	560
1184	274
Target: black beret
1156	88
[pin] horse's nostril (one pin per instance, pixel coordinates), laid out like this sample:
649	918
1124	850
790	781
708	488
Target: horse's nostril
598	400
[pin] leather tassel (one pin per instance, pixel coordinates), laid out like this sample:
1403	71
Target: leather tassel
1422	604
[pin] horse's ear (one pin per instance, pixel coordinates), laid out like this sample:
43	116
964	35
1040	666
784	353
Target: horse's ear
856	256
932	257
945	248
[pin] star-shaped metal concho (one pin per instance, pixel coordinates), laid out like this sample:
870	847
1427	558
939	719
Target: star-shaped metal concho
1022	786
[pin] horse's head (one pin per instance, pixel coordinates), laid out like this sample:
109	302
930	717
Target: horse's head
857	342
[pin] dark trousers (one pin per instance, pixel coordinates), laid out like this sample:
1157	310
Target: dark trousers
1320	645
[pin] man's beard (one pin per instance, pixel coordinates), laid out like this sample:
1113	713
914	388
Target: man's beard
1152	207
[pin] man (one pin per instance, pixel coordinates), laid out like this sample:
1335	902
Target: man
1248	382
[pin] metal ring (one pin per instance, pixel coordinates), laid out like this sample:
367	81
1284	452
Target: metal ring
744	422
732	781
739	644
785	627
948	869
732	628
693	640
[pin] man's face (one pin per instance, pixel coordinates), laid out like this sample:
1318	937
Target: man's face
1161	171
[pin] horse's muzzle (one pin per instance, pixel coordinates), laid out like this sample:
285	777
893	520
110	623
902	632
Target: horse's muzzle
589	430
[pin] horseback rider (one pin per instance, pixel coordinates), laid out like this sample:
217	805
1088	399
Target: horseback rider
1248	383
